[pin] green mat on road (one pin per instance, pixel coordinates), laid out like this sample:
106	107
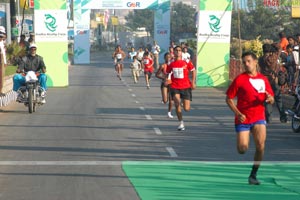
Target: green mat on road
212	180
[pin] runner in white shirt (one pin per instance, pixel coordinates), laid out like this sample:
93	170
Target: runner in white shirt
185	55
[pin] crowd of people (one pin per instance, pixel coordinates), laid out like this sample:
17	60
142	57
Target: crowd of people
174	73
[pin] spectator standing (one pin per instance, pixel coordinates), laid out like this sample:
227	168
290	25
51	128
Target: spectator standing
283	41
269	67
155	51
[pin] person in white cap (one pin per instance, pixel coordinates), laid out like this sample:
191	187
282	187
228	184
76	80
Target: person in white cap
31	62
2	43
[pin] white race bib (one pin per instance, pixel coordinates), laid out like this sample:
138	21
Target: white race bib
119	56
258	84
178	73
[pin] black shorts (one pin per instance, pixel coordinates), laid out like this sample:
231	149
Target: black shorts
185	94
149	74
164	86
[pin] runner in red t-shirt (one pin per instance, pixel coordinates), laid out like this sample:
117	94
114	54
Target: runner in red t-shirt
181	86
148	68
252	90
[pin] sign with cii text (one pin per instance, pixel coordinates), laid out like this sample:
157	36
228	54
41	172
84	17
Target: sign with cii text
214	27
52	28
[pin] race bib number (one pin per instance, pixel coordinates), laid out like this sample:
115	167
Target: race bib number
146	61
119	56
258	84
178	73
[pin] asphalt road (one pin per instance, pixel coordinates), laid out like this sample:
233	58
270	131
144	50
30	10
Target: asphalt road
73	146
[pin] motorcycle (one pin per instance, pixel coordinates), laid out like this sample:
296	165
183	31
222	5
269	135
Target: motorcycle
32	94
295	112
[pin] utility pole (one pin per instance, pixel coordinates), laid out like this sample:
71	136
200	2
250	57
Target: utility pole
239	29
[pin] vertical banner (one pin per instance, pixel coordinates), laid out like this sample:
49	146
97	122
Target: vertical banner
213	46
162	27
81	32
51	37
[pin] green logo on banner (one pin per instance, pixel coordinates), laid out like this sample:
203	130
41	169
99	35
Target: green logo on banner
214	23
50	22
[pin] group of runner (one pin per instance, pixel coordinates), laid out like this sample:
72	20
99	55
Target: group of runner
174	74
251	89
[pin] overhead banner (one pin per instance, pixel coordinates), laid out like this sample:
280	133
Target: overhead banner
162	27
213	45
119	4
51	38
82	22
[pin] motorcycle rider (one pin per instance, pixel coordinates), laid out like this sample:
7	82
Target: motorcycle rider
31	62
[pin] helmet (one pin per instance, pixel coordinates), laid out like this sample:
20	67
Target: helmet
33	45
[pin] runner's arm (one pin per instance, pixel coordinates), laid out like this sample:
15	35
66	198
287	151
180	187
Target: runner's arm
232	106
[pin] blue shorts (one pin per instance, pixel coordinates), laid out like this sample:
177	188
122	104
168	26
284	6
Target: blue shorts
248	127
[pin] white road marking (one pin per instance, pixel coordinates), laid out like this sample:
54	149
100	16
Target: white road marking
172	152
148	117
142	108
157	131
133	95
66	163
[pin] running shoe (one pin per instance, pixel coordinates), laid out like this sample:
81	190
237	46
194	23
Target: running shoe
253	180
148	87
170	115
181	127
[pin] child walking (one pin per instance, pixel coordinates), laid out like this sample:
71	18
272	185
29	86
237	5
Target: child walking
135	69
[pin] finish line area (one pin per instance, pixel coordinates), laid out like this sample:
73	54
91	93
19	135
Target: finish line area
213	180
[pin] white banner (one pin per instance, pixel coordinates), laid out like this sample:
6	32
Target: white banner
50	27
215	29
119	4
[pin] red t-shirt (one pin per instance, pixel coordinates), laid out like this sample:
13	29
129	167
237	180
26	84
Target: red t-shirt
251	96
180	74
148	65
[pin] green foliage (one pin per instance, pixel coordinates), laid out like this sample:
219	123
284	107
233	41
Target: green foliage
253	45
182	20
14	51
248	45
10	70
141	18
263	21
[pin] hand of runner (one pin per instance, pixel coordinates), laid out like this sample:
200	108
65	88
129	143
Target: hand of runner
241	117
193	86
269	99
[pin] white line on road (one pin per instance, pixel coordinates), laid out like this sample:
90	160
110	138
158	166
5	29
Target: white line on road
157	131
148	117
66	163
172	152
142	108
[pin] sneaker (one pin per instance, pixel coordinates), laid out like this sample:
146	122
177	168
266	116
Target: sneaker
170	115
148	87
253	180
43	94
43	101
181	127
